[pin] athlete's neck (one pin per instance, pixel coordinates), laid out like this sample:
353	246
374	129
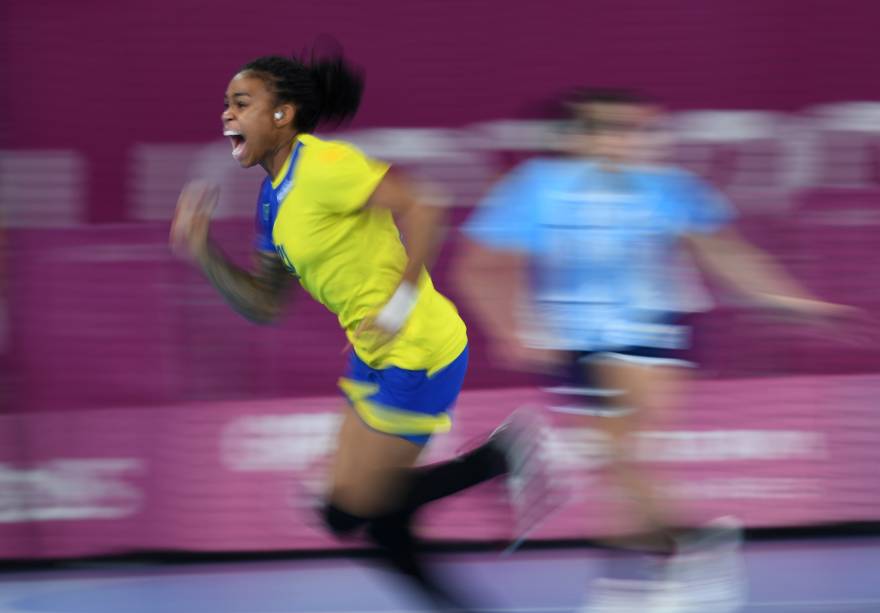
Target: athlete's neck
274	161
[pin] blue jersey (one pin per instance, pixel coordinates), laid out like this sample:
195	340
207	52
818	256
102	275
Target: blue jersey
603	247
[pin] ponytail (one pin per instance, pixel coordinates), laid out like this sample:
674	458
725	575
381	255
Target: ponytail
339	86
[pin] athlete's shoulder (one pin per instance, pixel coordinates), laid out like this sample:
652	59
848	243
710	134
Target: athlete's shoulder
332	160
680	189
330	155
342	174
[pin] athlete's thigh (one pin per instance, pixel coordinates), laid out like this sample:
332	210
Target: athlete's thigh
647	391
368	466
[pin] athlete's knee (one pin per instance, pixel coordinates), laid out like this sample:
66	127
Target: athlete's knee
340	522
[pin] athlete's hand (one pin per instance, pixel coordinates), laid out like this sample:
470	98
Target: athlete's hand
844	323
189	228
847	324
380	328
373	334
817	311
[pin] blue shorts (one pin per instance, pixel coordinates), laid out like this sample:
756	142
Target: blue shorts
407	403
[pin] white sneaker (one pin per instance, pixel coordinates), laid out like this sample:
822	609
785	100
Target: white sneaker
635	596
711	569
534	488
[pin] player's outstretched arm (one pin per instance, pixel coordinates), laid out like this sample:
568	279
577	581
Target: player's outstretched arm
260	294
755	274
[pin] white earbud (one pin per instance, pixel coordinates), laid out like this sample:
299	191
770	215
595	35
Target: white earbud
279	115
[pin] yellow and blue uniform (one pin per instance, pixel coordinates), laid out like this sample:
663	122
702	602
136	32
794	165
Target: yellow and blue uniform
350	259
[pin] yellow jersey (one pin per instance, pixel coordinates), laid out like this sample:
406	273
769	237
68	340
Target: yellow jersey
349	257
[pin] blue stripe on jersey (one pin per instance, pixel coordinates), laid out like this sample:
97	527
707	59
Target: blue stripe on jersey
269	203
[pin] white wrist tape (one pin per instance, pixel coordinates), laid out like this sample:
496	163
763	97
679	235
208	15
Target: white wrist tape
396	311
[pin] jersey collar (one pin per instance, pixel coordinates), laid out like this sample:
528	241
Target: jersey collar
284	182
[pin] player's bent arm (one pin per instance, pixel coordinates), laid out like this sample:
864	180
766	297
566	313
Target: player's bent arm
420	212
258	295
494	284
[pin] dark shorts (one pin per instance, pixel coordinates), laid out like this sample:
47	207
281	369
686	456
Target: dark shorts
577	387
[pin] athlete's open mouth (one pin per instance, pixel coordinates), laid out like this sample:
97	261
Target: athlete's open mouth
237	140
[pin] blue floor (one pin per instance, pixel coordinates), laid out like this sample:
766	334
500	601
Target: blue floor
840	576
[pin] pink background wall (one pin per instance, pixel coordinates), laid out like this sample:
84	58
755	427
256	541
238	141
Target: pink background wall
119	356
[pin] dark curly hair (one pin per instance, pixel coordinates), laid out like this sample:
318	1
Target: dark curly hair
323	90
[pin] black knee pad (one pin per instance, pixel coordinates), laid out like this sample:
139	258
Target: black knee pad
339	522
390	529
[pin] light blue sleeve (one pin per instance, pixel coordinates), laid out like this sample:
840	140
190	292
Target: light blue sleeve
704	209
506	219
